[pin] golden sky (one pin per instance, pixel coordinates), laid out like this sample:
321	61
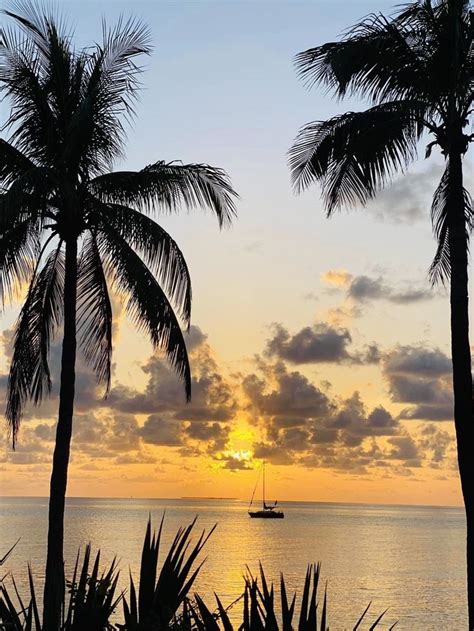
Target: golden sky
316	345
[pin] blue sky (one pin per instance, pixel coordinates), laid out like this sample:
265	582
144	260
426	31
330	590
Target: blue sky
220	87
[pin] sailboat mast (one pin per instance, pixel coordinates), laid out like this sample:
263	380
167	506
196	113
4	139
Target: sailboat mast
263	484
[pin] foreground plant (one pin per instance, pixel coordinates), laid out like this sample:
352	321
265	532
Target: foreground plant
164	597
417	69
70	227
261	611
162	593
92	601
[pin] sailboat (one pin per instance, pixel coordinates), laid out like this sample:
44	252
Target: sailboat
267	511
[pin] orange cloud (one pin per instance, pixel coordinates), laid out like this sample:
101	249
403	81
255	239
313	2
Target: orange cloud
336	277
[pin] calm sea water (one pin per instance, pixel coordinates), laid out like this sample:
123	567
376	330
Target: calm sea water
410	559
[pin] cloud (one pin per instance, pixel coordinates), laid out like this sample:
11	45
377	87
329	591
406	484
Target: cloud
212	395
419	361
273	453
403	448
172	422
321	343
159	431
438	442
290	400
355	423
408	199
111	429
361	289
336	277
233	463
294	419
138	457
420	376
300	420
365	288
29	451
302	425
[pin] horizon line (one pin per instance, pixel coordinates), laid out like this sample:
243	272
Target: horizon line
233	499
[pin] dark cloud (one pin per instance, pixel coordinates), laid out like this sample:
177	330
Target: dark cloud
207	431
419	361
409	389
437	442
409	296
356	424
403	448
232	463
159	431
321	343
438	412
303	425
365	288
421	377
272	453
291	401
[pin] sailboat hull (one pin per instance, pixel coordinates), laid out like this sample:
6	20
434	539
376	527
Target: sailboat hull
266	514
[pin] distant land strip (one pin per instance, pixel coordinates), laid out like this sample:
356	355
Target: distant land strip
200	497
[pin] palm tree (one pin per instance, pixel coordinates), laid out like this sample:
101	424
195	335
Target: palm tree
70	228
417	70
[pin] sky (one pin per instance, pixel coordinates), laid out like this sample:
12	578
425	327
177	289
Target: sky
317	345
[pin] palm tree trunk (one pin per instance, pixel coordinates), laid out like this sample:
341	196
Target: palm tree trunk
461	357
54	581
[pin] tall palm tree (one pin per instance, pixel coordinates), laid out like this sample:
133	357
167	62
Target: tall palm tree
417	70
70	228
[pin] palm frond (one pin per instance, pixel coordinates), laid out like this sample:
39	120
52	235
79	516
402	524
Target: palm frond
23	81
353	155
39	24
19	248
147	303
40	316
437	29
157	249
407	56
169	186
375	59
109	82
94	312
441	215
13	163
27	198
122	44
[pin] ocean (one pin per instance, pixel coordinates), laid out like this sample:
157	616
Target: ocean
409	559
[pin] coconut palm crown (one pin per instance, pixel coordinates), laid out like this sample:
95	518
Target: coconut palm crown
71	227
416	69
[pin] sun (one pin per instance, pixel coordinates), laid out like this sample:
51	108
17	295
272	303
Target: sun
243	455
